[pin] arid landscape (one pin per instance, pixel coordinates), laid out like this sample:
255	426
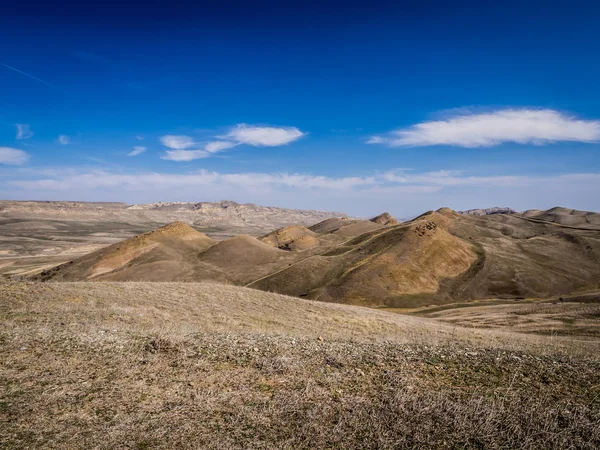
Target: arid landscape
278	225
472	330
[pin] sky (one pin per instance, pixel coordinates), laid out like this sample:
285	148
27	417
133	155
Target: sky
360	107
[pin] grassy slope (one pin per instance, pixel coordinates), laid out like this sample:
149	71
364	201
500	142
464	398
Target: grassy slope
181	365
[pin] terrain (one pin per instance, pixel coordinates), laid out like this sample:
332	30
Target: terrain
39	235
195	365
481	332
437	258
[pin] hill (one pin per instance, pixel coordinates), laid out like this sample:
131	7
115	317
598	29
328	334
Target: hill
175	252
159	254
439	257
37	235
443	256
292	238
346	227
195	365
385	219
377	267
566	216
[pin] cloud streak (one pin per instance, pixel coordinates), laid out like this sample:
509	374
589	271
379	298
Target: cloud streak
13	156
63	139
410	182
23	131
28	75
137	150
521	126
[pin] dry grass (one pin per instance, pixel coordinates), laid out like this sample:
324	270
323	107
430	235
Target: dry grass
181	365
528	316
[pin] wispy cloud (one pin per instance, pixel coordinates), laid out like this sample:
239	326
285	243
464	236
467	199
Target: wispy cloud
449	178
522	126
137	150
177	142
13	156
107	179
28	75
241	134
403	192
139	137
64	139
217	146
185	155
23	131
408	180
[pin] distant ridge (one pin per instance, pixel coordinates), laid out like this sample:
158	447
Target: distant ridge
489	211
566	216
226	215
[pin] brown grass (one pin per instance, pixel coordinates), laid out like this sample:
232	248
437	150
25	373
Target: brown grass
182	365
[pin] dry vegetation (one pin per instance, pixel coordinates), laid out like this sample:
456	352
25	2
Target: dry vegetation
185	365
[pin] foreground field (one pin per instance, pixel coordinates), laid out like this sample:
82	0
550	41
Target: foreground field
181	365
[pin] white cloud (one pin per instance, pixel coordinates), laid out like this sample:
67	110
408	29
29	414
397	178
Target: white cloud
12	156
217	146
64	139
137	150
23	131
448	178
240	134
522	126
263	136
185	155
177	142
139	138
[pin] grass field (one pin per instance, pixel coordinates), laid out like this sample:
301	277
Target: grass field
191	365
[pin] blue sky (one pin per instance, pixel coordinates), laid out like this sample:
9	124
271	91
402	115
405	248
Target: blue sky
359	107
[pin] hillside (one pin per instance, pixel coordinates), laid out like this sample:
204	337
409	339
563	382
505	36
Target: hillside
194	365
443	256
